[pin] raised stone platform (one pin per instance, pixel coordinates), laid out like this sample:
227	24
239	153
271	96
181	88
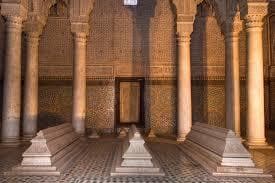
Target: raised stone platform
219	151
134	158
51	151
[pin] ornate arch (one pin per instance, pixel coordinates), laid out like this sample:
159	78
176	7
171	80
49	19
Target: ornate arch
219	8
189	8
38	11
42	7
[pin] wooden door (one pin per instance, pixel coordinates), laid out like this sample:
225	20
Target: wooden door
129	101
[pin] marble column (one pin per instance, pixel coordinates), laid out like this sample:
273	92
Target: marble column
255	83
184	86
79	83
30	111
232	79
12	82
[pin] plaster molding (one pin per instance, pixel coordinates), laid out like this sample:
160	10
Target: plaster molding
80	10
14	9
156	72
253	11
79	28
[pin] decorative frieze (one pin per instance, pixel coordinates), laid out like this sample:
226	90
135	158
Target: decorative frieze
103	71
165	72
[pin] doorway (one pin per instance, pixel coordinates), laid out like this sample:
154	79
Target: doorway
129	103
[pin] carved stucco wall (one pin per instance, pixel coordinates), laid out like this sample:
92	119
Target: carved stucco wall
127	34
56	44
208	102
207	50
119	37
207	41
100	105
160	106
55	103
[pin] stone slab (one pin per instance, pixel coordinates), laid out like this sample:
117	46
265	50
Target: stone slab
118	170
51	152
220	152
132	157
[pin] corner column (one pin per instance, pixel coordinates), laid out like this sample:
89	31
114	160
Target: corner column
79	82
255	83
12	82
30	113
232	76
184	85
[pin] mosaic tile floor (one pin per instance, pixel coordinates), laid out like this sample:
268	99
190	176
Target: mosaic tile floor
95	166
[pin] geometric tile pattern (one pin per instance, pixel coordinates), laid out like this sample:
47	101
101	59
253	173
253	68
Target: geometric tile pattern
160	108
95	166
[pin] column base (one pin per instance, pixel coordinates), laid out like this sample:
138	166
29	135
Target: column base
151	134
27	138
258	145
239	135
13	142
181	138
94	135
80	133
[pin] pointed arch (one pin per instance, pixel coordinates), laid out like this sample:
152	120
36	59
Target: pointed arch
219	8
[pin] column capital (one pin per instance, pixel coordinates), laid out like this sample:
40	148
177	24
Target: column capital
253	12
184	29
33	29
80	37
14	9
35	24
254	20
14	22
186	7
185	24
184	37
78	28
232	27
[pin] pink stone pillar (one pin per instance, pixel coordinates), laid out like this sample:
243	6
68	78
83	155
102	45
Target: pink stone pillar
232	80
12	82
79	83
31	87
255	83
184	86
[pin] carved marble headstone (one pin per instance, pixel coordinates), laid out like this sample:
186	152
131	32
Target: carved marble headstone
151	134
51	151
134	158
122	133
219	151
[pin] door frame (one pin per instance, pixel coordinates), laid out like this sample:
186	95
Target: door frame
118	80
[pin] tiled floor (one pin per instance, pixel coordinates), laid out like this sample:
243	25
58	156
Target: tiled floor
95	165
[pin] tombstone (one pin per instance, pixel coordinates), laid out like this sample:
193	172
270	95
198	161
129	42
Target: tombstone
134	158
151	134
51	152
219	151
122	133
